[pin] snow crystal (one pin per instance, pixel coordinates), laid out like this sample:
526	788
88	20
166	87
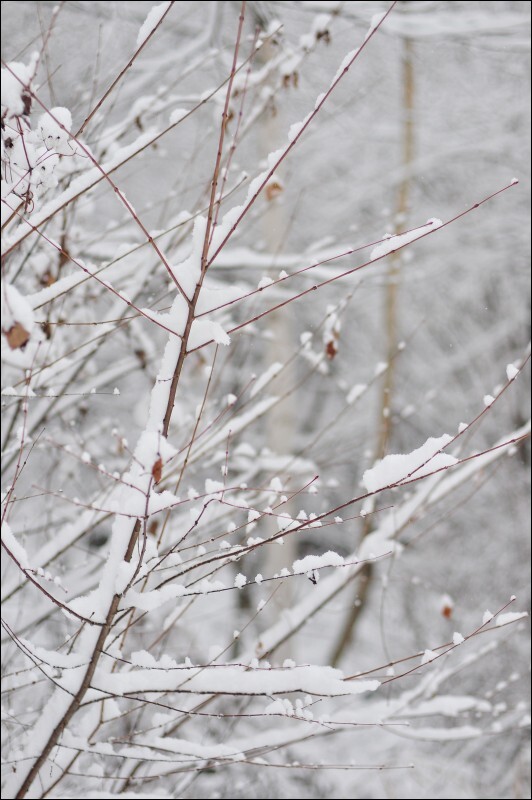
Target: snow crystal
13	87
375	22
319	99
177	115
297	127
393	469
488	400
357	391
446	603
188	272
151	21
141	658
462	426
284	521
276	485
511	372
203	331
152	446
457	638
309	563
13	545
428	656
51	127
213	298
15	308
345	64
240	581
392	243
160	501
487	617
148	601
277	707
265	281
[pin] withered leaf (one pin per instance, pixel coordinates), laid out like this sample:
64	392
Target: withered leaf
447	611
273	189
47	279
331	349
17	336
157	470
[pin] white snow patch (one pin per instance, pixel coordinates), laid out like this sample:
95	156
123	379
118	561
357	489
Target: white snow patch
375	22
265	281
510	616
203	331
428	656
355	392
15	308
17	550
51	127
309	563
236	680
394	469
449	706
265	378
394	242
151	21
177	115
13	88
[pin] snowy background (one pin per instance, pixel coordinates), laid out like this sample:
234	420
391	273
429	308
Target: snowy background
432	118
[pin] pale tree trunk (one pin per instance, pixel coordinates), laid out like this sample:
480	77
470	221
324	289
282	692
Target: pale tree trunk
282	420
390	325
